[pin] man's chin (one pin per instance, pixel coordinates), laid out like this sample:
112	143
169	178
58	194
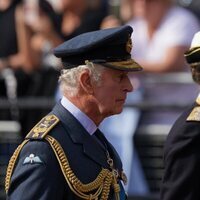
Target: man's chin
117	112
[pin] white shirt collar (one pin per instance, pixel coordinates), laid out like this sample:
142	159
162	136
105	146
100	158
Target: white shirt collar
85	121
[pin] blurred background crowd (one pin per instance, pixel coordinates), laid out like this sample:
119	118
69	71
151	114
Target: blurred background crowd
163	30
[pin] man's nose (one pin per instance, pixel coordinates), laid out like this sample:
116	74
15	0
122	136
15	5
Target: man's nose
128	86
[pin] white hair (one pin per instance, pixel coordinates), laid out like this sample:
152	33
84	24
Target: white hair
68	79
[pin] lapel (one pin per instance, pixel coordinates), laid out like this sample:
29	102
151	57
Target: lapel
79	135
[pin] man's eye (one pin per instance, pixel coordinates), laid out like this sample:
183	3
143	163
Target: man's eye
196	68
121	77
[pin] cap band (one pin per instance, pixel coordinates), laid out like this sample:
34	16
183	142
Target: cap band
193	55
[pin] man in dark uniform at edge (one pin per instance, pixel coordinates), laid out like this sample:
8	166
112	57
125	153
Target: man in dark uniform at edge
181	178
65	156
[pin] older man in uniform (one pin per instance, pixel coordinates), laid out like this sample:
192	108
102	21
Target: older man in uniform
65	156
182	149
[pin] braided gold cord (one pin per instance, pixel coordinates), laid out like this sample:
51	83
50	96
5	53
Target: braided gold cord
11	165
116	188
101	184
106	188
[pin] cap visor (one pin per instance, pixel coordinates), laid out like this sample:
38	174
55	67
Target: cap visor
128	65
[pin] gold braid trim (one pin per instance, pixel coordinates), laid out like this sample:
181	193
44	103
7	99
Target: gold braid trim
101	184
11	165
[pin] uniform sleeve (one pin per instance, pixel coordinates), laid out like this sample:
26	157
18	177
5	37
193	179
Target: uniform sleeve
38	179
182	163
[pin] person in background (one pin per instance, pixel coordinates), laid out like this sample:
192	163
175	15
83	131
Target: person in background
43	25
66	156
10	59
181	153
163	32
8	35
39	32
33	74
79	16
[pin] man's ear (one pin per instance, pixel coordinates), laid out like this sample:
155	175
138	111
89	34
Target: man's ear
85	82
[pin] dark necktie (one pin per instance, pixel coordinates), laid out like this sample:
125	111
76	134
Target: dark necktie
104	143
100	138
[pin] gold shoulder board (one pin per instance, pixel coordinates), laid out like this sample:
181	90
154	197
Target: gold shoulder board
194	115
41	129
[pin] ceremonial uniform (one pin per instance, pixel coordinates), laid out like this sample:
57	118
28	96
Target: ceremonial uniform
182	157
181	178
65	156
85	167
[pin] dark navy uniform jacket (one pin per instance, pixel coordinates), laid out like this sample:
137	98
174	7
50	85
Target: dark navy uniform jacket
45	181
181	179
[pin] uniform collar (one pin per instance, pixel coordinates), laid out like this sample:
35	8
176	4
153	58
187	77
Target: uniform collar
85	121
79	135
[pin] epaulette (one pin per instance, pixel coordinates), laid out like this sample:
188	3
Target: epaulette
41	129
195	114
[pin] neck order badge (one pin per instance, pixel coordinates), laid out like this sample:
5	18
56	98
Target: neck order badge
117	185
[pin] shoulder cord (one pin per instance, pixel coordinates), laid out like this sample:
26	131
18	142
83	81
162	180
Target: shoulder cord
102	183
11	164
